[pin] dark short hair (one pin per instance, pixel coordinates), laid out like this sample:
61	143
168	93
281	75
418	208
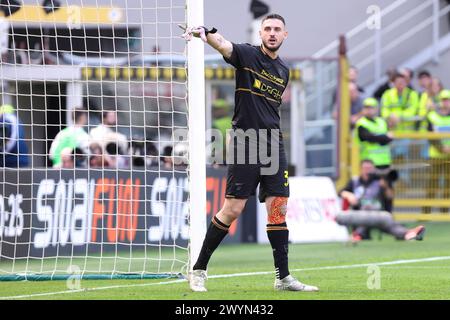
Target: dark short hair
106	112
150	148
424	73
274	16
167	151
114	149
78	113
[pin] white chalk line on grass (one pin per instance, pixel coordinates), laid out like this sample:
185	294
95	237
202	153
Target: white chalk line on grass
244	274
90	289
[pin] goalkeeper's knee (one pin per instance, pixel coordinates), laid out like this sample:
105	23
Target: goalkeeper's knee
278	210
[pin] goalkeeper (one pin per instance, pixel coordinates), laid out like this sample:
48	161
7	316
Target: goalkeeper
261	78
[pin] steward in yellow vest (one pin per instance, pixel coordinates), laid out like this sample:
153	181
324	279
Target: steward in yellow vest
439	121
373	136
429	101
400	106
438	182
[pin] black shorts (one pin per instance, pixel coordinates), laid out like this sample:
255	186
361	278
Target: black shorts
243	180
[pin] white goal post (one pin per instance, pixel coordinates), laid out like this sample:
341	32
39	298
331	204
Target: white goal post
196	98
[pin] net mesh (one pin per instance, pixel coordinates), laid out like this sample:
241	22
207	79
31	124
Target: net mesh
92	180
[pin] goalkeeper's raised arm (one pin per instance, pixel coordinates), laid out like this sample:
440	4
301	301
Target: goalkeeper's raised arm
210	36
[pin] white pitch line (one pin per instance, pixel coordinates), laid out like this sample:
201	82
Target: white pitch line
387	263
90	289
245	274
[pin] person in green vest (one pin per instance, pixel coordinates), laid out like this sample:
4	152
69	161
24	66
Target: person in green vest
221	121
373	136
439	152
400	106
73	137
429	100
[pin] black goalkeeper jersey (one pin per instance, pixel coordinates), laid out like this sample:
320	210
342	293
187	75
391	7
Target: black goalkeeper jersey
260	83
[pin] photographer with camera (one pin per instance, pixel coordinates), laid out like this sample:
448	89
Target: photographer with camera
370	199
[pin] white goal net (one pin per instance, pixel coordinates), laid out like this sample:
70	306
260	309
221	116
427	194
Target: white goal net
94	177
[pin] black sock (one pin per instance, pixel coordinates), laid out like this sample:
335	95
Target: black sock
214	236
278	235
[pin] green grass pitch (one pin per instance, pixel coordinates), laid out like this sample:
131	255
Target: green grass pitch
340	270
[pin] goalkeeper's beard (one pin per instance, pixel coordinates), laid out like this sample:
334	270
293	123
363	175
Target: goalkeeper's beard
272	49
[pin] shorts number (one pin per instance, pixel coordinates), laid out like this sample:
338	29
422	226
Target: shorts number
286	176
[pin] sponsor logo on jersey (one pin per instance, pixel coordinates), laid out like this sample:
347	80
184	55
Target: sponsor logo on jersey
270	90
272	77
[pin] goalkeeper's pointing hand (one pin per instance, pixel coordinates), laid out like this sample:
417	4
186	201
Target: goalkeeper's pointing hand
198	32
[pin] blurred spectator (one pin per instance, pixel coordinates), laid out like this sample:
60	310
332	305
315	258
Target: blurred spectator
137	152
167	159
424	78
353	75
439	152
97	158
71	137
118	157
180	154
356	103
80	158
14	151
145	153
429	99
67	158
373	136
390	73
151	158
400	106
409	76
106	132
372	195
